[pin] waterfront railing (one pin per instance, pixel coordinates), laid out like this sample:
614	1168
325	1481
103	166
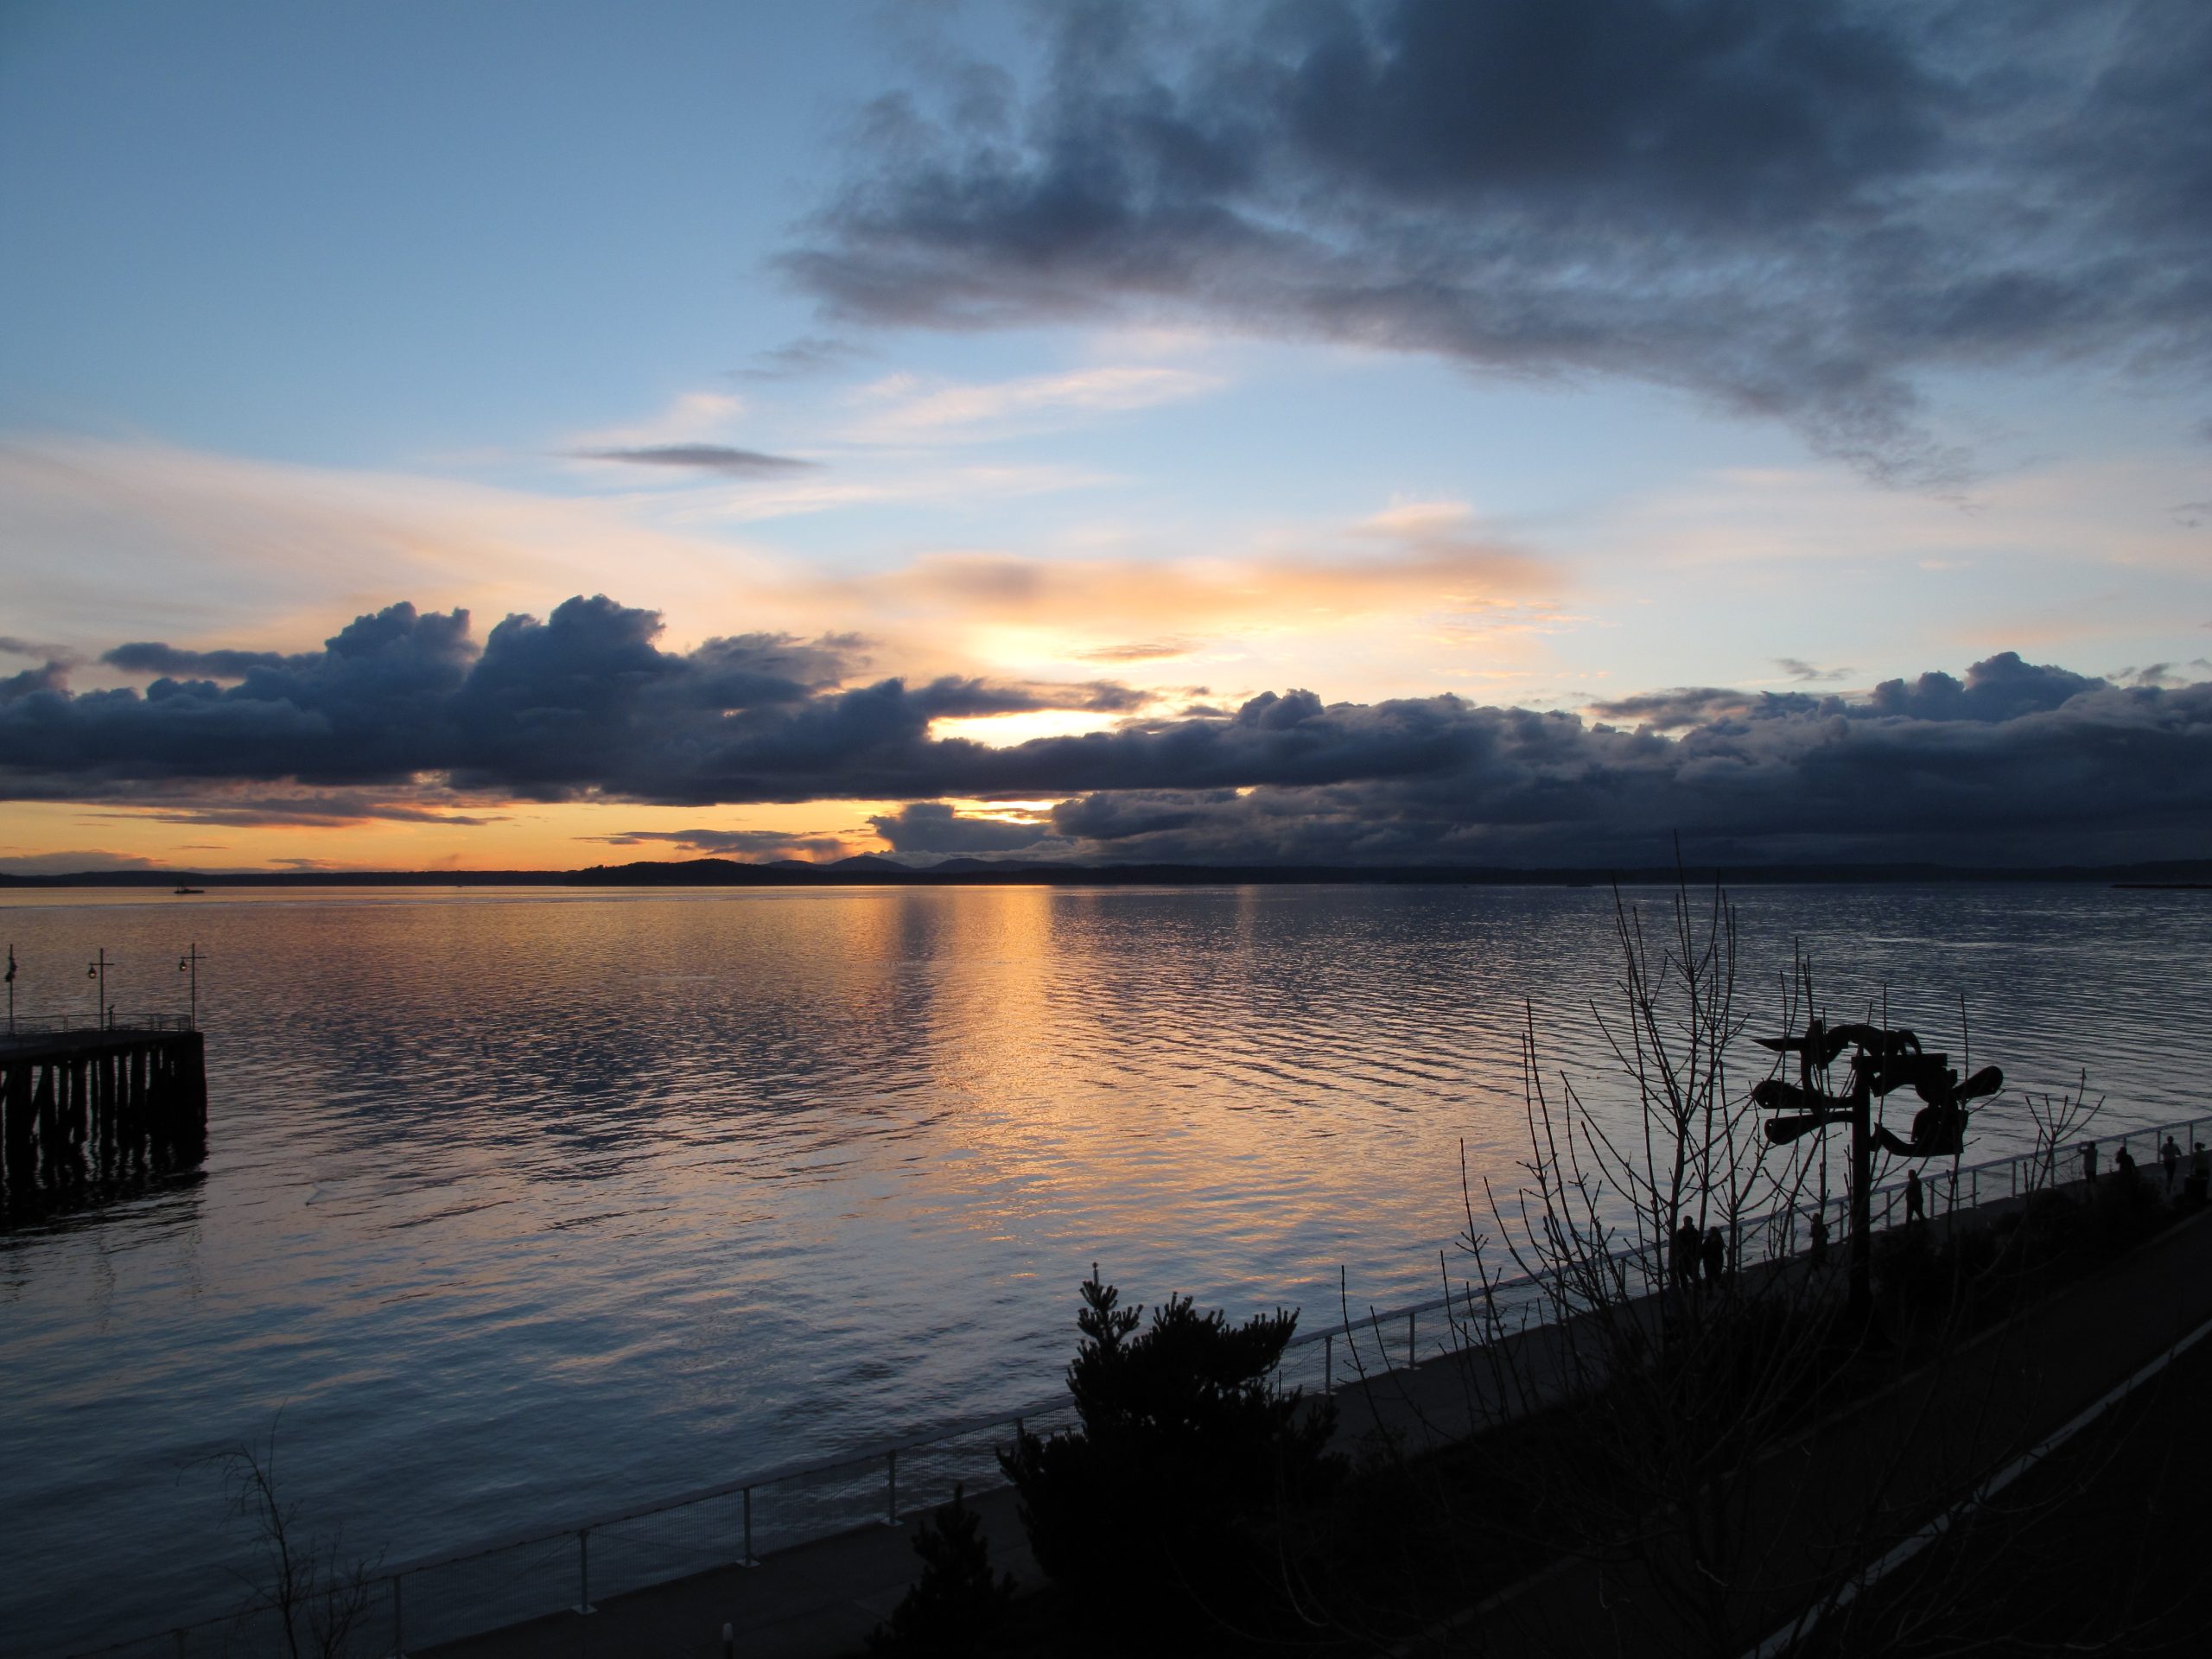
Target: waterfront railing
1784	1231
65	1025
541	1570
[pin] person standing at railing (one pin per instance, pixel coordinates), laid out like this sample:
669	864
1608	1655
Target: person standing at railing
1913	1201
1819	1249
1681	1259
1714	1254
2088	1163
2170	1156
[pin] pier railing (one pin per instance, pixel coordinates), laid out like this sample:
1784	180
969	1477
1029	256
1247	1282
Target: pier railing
66	1025
541	1570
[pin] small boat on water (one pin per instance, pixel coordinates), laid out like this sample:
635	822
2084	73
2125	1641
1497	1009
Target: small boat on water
191	890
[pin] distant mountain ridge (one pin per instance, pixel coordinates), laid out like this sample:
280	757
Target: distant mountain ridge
871	869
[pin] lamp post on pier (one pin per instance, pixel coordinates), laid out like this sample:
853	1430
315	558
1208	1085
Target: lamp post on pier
97	969
190	964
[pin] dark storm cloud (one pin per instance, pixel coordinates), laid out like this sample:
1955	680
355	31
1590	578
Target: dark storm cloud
1798	210
2110	774
722	844
48	676
1680	706
1137	814
2158	674
150	656
2015	762
11	646
2001	687
307	811
583	701
700	457
361	709
934	827
954	697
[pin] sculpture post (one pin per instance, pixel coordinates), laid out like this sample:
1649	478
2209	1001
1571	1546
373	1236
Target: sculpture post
1885	1061
1861	1304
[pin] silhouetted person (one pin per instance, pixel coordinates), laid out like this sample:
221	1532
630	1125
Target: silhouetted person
1819	1249
2124	1165
1681	1255
1714	1254
2170	1156
2088	1163
1913	1202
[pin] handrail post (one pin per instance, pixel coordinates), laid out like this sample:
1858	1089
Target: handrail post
583	1570
1329	1362
750	1559
891	1500
1410	1359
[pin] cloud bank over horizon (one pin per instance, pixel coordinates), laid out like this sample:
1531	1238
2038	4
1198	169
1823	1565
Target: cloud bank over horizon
1806	213
404	714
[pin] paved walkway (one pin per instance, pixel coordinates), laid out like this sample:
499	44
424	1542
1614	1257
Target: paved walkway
813	1599
2099	1549
1843	1494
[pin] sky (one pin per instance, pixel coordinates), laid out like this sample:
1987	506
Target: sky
1519	433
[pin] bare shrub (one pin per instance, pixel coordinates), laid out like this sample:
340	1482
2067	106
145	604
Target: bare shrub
301	1576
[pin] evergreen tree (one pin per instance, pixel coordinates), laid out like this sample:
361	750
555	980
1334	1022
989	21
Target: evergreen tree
1184	1446
955	1607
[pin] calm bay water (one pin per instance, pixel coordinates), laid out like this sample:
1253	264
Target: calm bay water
525	1203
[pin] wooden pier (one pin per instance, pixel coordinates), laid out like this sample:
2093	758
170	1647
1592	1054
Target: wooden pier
92	1113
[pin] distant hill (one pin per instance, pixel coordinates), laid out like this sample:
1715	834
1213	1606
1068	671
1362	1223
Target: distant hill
964	865
873	870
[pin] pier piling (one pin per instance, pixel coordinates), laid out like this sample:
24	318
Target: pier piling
83	1111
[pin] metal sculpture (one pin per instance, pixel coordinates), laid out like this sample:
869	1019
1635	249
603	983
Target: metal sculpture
1885	1061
